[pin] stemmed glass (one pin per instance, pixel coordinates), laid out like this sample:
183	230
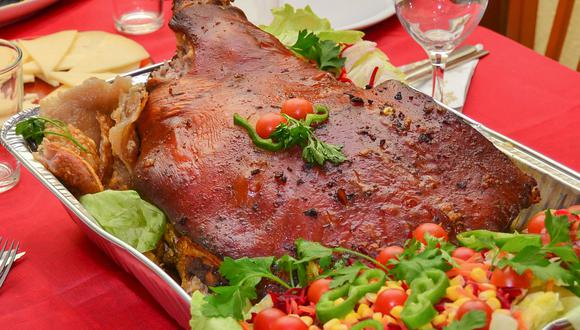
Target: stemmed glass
439	26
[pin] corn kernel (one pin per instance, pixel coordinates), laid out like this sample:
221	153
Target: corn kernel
313	327
440	319
371	297
396	311
363	300
377	316
478	275
484	295
454	292
486	286
393	285
389	320
351	318
338	301
493	303
339	327
457	280
328	325
307	320
364	311
460	302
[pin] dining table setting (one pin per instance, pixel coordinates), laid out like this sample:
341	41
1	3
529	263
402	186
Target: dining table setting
54	276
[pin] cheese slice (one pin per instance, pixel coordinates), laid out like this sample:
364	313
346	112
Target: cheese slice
27	78
31	68
84	44
25	55
71	79
49	50
113	52
48	80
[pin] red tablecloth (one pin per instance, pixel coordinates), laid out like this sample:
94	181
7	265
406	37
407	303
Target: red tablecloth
66	282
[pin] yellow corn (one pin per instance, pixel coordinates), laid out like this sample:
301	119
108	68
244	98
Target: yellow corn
460	302
377	316
339	327
313	327
493	303
440	319
307	320
338	301
364	311
371	297
387	319
396	311
393	285
454	292
487	286
484	295
457	280
351	318
479	275
364	300
328	325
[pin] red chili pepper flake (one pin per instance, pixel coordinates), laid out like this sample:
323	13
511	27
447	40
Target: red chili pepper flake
343	76
373	77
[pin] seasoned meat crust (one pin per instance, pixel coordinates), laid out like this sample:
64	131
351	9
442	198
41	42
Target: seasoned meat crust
409	160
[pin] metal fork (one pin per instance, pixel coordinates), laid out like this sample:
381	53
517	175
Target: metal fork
7	258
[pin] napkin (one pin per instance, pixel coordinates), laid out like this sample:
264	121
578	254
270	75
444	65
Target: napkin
456	84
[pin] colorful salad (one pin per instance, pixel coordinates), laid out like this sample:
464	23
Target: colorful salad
489	280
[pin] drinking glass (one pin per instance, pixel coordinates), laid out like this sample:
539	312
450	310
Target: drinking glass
138	16
10	103
439	26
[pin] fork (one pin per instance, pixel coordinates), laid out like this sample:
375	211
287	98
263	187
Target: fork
8	259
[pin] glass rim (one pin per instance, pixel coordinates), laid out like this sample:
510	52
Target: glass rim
18	59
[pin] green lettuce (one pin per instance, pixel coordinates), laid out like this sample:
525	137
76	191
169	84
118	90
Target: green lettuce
126	216
289	21
199	321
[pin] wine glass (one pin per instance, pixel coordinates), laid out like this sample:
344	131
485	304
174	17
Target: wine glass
439	26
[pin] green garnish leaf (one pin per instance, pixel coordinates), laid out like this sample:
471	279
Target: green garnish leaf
128	217
310	251
326	53
558	228
414	261
470	321
244	275
33	130
343	275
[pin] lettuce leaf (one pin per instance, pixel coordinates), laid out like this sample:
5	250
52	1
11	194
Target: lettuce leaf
126	216
289	21
199	321
361	60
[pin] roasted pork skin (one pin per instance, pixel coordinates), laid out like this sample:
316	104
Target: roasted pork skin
409	160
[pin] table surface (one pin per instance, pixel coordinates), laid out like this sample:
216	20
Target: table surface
66	282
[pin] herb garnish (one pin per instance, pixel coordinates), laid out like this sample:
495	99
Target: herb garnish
34	129
325	52
246	273
298	133
470	321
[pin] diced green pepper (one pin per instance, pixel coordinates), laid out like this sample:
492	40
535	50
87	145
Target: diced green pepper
426	290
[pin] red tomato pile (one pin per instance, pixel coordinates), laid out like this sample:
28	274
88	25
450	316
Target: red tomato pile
297	108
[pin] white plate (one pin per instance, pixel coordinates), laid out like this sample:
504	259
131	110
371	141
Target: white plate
15	11
343	14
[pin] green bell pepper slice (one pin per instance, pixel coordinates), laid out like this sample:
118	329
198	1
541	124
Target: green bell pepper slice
369	281
368	324
426	290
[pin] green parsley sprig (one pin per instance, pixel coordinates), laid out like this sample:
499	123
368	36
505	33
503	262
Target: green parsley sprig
326	53
470	321
34	129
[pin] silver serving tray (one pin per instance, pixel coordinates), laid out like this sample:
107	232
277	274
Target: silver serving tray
559	185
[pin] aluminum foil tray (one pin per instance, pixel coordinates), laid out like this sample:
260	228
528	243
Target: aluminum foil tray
559	186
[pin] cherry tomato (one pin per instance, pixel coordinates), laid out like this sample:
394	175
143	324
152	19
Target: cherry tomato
317	289
432	228
508	278
267	124
388	253
265	318
297	108
463	253
475	305
288	323
389	299
537	223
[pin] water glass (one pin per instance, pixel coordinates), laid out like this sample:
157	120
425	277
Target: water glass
11	91
439	26
138	16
